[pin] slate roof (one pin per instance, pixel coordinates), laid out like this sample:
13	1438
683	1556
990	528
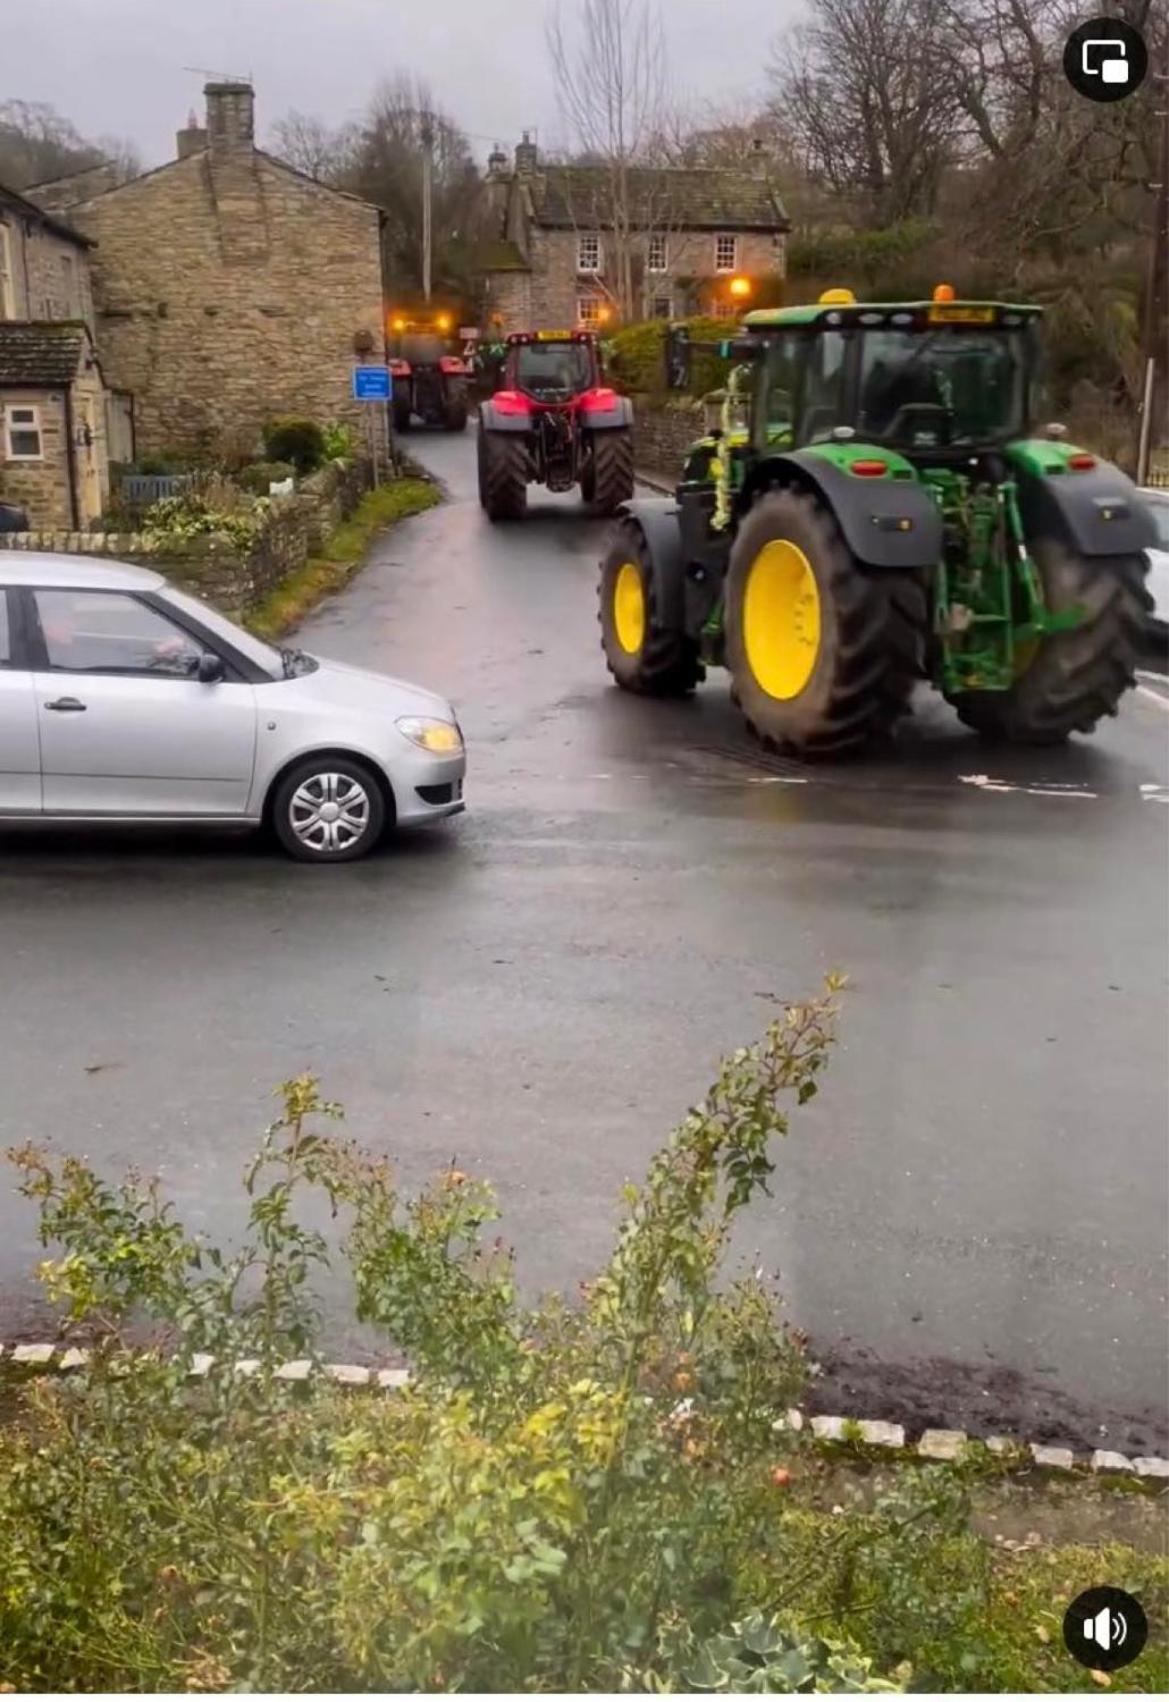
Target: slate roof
29	210
677	197
498	255
40	353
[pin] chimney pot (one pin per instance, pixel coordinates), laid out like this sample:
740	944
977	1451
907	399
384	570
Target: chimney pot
526	156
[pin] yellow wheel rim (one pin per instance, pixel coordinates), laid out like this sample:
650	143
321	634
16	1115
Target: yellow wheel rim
629	608
781	619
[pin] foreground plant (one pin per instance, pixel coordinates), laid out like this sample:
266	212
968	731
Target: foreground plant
564	1498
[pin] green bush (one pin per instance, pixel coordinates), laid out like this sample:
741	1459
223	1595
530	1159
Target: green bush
301	441
534	1512
261	474
637	358
341	441
176	520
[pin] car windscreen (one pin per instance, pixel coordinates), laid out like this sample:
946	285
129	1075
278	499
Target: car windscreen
545	368
942	386
219	626
1159	509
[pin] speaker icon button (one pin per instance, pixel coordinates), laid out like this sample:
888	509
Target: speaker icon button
1105	1629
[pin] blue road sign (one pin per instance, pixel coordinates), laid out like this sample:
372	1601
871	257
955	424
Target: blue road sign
371	383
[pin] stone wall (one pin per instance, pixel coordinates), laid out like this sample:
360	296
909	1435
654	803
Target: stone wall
230	289
50	275
41	487
662	433
689	282
232	579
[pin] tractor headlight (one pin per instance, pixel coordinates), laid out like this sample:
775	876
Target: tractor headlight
443	738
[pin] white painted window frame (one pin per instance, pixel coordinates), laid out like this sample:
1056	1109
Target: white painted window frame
657	252
588	242
723	266
591	320
11	426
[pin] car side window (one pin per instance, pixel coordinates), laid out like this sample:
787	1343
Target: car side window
112	632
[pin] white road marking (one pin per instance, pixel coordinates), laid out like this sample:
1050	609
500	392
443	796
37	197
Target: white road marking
778	780
986	784
1154	696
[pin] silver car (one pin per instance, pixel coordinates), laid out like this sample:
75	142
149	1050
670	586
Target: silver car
122	699
1158	560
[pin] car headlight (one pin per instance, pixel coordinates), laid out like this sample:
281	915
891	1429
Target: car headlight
441	737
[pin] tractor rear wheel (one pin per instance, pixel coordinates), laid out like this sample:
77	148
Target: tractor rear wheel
612	476
1071	678
503	474
823	652
402	413
454	416
642	654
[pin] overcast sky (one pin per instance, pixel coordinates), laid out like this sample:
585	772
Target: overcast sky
117	67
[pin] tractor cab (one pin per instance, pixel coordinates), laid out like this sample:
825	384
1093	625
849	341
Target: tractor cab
935	381
552	367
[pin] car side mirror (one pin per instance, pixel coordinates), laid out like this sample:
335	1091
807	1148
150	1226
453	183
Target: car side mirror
210	671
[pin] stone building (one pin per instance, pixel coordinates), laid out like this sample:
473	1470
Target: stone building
555	251
53	429
229	287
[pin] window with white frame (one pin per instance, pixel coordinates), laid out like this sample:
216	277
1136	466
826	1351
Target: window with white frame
7	289
588	251
588	312
22	433
726	252
661	307
656	258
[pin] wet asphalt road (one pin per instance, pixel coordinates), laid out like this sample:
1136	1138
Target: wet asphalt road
970	1221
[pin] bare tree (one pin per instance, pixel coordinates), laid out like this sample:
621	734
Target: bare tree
37	145
314	147
612	87
865	89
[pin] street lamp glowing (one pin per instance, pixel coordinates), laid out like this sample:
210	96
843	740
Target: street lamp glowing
604	314
399	324
740	288
443	322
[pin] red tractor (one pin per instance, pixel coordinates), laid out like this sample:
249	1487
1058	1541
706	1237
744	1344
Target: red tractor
553	422
429	382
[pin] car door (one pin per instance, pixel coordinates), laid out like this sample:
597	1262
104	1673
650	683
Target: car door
126	727
20	754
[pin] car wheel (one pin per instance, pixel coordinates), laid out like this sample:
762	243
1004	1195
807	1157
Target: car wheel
328	809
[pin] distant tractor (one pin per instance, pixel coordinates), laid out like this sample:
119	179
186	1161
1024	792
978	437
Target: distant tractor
886	511
429	381
553	422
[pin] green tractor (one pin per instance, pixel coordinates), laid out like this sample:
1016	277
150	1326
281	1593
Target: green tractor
879	508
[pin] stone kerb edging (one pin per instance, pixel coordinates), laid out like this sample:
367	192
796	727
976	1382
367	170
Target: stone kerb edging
41	1358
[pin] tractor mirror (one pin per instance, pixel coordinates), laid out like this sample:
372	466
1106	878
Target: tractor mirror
741	349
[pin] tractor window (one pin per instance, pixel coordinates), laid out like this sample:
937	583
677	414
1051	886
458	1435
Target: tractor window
421	349
823	400
932	388
554	368
779	385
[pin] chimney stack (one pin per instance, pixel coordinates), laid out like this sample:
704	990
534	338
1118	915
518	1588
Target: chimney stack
192	138
231	117
526	157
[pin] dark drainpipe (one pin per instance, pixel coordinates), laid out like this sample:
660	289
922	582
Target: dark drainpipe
71	461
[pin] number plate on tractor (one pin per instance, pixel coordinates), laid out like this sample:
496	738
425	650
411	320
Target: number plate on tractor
961	315
553	336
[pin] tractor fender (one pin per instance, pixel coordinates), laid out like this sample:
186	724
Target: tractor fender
886	522
1099	513
657	520
490	419
617	418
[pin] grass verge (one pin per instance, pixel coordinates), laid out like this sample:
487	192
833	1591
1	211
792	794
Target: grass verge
287	603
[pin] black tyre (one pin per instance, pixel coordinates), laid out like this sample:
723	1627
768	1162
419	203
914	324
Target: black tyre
401	415
823	652
503	474
612	478
455	409
1073	678
641	653
328	809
